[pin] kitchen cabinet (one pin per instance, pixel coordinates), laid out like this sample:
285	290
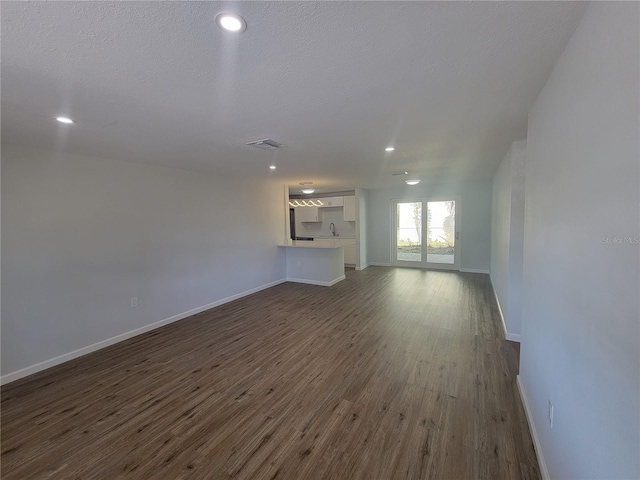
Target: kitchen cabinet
349	245
349	209
332	201
349	254
308	214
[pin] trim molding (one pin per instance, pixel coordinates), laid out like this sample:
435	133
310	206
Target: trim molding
363	267
316	282
504	324
513	337
536	441
380	264
52	362
474	270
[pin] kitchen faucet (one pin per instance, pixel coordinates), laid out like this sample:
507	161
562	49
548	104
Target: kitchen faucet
332	227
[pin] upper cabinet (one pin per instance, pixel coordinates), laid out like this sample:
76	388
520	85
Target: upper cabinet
332	201
308	214
349	209
314	214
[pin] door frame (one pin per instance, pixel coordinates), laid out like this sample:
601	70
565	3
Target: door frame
424	263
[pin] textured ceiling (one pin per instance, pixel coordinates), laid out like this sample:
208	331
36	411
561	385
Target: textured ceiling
448	83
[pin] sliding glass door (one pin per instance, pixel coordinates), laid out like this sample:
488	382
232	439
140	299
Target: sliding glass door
426	233
408	240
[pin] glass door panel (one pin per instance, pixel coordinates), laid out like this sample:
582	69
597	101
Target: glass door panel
425	233
409	232
441	232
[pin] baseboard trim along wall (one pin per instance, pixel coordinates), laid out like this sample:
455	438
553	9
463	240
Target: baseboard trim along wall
362	267
513	337
474	270
536	441
463	270
316	282
38	367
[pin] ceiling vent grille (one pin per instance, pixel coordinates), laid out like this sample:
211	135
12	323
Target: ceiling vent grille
400	172
266	144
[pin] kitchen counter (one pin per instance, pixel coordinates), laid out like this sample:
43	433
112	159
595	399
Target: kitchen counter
321	242
311	244
333	237
318	262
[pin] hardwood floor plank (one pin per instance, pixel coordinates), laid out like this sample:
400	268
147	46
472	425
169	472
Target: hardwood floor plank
390	374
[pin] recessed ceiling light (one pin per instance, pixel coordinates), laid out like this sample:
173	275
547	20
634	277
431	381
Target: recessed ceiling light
231	22
412	182
272	167
389	149
64	120
308	190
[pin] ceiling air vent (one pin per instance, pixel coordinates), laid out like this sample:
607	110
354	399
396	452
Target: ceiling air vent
266	144
400	172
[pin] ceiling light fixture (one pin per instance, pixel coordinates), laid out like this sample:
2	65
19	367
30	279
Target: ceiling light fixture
389	149
306	203
64	120
265	144
308	190
231	22
412	182
272	167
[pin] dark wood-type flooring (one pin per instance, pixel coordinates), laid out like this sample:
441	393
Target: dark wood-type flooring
390	374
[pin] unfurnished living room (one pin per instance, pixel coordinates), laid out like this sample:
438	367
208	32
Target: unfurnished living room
320	240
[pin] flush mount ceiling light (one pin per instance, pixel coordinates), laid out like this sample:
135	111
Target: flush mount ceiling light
272	167
412	182
389	149
307	190
231	22
64	120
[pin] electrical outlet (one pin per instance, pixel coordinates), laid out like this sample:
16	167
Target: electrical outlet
134	302
550	412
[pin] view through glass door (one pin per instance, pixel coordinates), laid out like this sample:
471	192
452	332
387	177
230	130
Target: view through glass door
426	233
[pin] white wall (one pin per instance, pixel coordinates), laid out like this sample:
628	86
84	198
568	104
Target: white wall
580	338
82	235
507	237
475	225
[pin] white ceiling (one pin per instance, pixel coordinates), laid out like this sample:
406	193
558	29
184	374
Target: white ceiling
448	83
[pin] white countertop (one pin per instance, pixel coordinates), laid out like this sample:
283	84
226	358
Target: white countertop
331	237
312	244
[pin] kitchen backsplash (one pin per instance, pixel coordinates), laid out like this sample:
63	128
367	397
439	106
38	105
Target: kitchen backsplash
329	215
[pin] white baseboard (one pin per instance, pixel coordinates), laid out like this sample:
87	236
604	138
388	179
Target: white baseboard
464	270
513	337
38	367
474	270
316	282
504	324
362	267
532	427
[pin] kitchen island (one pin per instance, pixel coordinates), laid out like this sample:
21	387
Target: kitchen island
319	262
